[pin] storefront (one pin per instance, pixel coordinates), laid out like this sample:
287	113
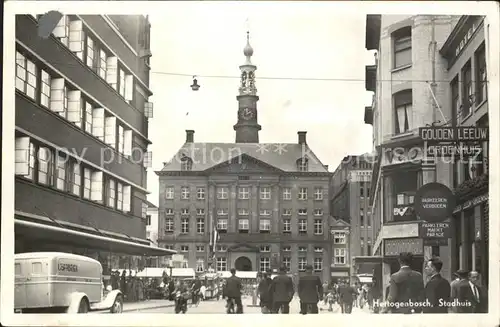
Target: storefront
471	235
115	251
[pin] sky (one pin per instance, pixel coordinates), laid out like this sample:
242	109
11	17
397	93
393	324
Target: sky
293	42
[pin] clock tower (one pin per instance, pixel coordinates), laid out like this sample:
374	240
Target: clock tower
247	128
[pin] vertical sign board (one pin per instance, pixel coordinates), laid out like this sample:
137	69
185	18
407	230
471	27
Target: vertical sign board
434	203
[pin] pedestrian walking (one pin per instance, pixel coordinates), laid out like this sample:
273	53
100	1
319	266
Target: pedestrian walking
310	292
347	296
195	291
232	291
326	288
437	289
406	288
282	291
454	290
264	291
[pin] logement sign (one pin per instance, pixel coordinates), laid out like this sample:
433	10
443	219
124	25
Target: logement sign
434	202
453	134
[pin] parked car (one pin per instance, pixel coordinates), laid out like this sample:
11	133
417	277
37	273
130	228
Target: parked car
56	282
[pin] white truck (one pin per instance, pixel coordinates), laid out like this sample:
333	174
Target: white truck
56	282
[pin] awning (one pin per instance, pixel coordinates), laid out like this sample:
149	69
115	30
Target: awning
88	240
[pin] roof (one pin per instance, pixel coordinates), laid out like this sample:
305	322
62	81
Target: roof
53	255
339	222
151	206
280	156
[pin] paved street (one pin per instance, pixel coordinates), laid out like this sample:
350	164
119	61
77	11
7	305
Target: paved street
213	306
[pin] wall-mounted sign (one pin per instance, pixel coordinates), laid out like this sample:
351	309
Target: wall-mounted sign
453	134
471	203
403	212
395	156
393	247
453	150
467	37
435	230
435	242
434	202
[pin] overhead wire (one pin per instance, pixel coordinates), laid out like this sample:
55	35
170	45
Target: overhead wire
283	78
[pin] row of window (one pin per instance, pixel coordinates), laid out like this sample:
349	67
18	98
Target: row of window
70	31
243	193
364	221
302	164
263	248
244	226
364	190
57	95
243	212
56	169
265	263
473	92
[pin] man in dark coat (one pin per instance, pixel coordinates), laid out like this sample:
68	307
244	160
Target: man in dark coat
467	294
264	291
437	290
195	290
483	293
310	291
406	287
232	290
347	294
282	291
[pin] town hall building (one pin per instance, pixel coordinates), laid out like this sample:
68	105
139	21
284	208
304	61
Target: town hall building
262	204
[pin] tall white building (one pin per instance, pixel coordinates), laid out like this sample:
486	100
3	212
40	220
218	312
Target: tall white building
407	61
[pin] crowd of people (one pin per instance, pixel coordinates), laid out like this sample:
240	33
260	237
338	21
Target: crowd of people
407	292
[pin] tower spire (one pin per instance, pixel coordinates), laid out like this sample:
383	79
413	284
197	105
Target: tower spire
247	128
248	69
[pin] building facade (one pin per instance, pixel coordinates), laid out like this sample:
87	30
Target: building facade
466	53
152	224
349	201
246	205
409	92
340	266
82	136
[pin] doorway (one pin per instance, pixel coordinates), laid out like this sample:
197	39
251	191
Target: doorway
243	264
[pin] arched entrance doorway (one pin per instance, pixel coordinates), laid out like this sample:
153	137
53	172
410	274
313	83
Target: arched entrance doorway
243	264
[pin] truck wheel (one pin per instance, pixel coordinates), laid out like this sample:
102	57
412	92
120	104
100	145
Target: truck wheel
84	306
117	305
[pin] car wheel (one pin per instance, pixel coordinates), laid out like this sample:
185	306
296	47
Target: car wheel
117	305
84	306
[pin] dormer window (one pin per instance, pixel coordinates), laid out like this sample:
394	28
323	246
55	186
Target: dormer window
186	163
303	164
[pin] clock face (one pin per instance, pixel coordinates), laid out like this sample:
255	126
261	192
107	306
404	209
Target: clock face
247	113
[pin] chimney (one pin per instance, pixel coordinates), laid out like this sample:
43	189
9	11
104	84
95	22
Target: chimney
189	136
302	137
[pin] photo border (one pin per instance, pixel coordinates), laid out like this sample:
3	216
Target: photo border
488	8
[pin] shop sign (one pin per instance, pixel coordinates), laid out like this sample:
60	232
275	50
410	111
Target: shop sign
471	203
435	242
437	134
467	37
434	202
402	211
453	150
393	247
435	230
